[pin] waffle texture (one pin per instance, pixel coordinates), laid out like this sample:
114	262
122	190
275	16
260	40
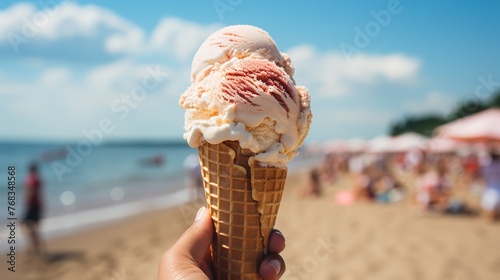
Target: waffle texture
243	199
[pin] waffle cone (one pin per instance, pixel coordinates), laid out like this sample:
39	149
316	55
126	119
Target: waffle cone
243	199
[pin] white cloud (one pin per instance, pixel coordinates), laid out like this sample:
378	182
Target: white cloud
67	30
333	75
54	77
58	100
11	18
179	38
70	31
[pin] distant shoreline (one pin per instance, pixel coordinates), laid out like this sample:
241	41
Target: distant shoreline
118	143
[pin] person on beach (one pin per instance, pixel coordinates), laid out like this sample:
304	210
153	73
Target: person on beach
189	257
490	200
33	207
364	185
329	167
313	186
433	188
471	167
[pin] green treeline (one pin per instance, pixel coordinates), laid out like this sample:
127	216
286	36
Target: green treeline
426	124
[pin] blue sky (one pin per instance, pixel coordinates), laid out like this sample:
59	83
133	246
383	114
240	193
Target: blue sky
70	68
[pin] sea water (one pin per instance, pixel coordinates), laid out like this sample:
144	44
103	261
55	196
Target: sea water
105	182
85	187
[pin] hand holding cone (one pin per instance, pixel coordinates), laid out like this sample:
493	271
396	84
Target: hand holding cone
248	118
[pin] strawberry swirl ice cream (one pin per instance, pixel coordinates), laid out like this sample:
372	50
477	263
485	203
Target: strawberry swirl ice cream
244	92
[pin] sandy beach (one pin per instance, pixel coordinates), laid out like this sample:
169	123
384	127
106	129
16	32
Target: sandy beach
324	241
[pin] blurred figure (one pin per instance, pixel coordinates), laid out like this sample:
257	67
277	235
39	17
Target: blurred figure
193	178
389	189
315	182
413	159
364	185
329	167
156	160
433	189
314	185
422	192
490	200
49	156
34	207
471	168
341	164
381	163
356	164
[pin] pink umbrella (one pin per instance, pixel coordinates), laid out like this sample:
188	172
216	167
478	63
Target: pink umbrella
445	145
480	127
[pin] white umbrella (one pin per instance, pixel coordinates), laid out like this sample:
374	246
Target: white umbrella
380	144
408	141
336	146
357	145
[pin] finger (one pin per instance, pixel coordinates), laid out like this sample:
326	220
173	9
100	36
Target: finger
272	267
276	242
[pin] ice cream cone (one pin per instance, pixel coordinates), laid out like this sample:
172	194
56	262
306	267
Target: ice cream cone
243	199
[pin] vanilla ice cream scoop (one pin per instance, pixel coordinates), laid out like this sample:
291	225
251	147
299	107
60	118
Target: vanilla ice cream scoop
236	41
248	98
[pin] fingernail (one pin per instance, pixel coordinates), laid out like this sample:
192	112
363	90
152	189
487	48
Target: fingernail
278	232
200	213
276	265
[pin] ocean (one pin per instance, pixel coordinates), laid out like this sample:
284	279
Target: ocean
113	179
85	185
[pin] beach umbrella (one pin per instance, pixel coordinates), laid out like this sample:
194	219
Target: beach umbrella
313	147
380	144
480	127
356	145
336	146
444	145
408	141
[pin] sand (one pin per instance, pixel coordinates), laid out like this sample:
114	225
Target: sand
324	241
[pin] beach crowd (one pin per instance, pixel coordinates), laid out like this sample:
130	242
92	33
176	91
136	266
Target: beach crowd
460	180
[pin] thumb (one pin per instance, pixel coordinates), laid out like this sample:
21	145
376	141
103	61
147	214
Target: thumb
186	258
